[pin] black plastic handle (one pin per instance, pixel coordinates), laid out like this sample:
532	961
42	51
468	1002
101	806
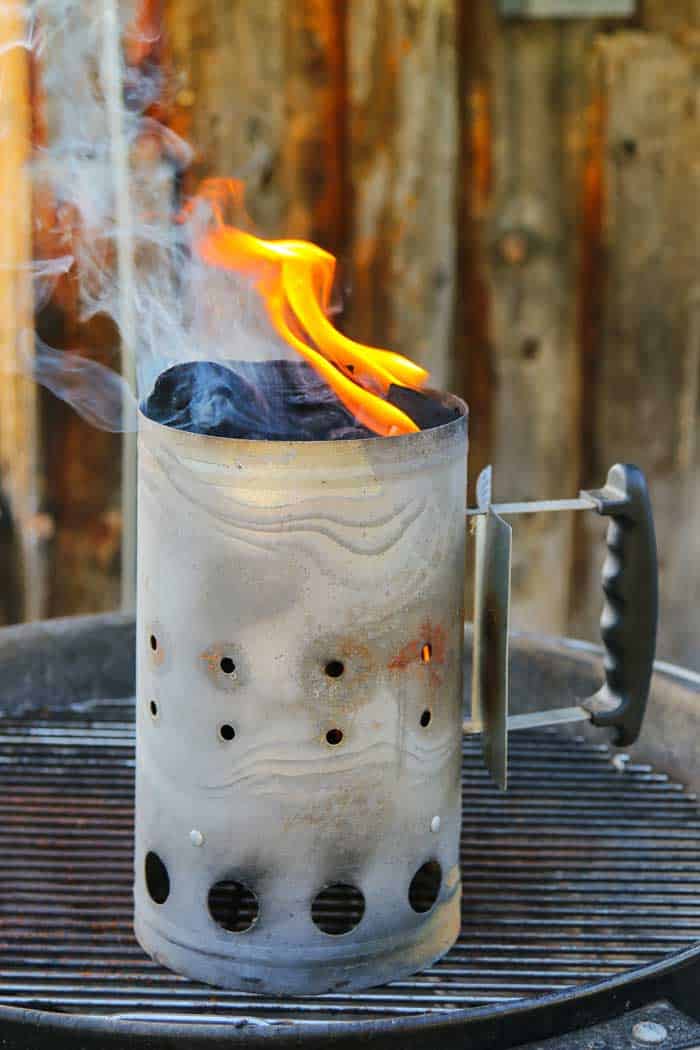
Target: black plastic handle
630	613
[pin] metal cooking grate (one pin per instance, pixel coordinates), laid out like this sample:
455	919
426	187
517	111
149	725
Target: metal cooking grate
585	868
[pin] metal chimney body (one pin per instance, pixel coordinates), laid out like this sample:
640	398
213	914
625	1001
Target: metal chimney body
299	706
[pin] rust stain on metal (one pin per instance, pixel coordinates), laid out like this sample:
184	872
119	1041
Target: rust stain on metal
359	656
409	654
212	657
353	686
432	638
222	661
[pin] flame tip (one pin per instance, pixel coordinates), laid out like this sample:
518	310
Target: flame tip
294	279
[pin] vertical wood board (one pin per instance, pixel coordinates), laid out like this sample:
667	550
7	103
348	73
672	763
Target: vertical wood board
674	17
402	154
313	140
228	61
20	453
538	87
644	397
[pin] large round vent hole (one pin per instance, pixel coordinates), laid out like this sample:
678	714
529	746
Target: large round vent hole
157	878
426	653
227	732
425	886
338	909
233	905
426	718
334	736
227	665
153	642
335	668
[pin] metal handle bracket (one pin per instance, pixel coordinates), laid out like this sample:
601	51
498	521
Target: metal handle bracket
622	699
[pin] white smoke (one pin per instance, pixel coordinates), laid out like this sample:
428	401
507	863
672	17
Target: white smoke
105	216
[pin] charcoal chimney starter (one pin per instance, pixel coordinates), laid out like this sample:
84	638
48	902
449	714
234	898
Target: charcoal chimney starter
299	695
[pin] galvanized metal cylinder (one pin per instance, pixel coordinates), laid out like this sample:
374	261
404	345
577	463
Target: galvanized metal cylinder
299	694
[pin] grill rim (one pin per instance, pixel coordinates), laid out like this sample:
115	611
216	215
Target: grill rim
104	647
674	978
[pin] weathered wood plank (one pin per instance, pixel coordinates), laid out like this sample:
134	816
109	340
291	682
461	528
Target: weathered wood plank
111	67
402	153
537	85
643	392
472	347
83	464
262	98
313	150
675	17
228	60
82	476
20	454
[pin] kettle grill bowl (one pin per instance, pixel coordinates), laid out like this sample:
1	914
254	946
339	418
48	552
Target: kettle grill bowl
581	884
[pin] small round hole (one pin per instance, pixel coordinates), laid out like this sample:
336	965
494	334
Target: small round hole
426	718
153	642
233	905
227	665
338	909
530	348
334	736
157	878
425	887
227	732
334	668
153	707
426	653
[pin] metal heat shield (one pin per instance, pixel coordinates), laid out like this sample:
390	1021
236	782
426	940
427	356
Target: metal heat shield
490	655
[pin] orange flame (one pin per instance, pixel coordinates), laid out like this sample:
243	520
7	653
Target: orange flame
295	279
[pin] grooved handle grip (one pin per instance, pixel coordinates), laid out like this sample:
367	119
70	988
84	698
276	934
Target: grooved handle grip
630	612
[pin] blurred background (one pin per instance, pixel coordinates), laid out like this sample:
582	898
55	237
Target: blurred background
512	188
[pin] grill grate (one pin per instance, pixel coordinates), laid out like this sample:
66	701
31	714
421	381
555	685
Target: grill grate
586	867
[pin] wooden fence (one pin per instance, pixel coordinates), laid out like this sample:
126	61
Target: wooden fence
515	204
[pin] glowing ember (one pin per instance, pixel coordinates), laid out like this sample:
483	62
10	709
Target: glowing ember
295	279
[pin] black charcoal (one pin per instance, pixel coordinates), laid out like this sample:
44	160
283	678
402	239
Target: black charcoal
426	410
267	400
